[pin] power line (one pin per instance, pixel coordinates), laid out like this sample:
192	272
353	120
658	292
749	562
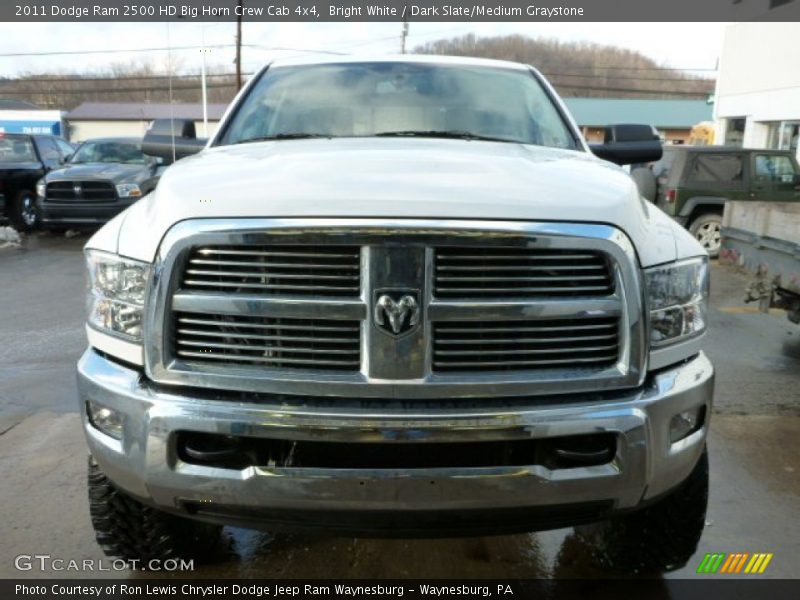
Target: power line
81	79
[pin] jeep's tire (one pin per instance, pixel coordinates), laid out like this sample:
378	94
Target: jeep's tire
707	229
22	211
661	537
130	530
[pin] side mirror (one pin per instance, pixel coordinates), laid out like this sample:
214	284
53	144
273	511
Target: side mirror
171	139
64	159
629	144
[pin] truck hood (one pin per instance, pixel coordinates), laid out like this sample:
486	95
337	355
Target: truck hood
396	178
116	172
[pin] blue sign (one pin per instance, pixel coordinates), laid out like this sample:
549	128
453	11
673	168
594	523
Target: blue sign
31	127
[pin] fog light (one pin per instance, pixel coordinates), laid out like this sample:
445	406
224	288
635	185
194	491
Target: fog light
686	423
107	420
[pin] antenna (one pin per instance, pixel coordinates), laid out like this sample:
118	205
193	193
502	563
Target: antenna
171	107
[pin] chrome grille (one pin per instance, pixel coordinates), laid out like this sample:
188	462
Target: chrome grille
509	272
276	270
525	345
90	191
280	343
290	306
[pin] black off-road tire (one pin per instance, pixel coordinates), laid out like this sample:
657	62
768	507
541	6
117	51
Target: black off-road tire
22	211
130	530
661	537
707	229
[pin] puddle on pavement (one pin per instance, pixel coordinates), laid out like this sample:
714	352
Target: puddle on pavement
553	554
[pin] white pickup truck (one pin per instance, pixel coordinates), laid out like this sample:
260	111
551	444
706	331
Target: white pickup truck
397	296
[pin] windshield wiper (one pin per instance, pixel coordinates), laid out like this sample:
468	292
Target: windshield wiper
452	134
283	136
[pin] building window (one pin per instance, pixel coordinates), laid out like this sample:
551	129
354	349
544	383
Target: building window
734	132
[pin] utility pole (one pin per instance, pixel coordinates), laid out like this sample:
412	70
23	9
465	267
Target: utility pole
203	51
239	46
404	36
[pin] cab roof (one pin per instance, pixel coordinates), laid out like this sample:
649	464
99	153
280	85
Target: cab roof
430	59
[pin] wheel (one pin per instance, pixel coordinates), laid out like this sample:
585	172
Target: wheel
707	229
661	537
130	530
646	182
22	212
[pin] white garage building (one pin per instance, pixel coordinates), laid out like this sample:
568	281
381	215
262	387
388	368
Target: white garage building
112	119
757	100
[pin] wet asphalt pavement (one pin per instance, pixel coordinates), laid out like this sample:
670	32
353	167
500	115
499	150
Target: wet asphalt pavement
754	450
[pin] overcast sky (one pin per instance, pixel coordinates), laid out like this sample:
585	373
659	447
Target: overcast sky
682	45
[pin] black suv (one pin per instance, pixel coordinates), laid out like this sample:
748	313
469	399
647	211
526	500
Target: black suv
694	182
24	159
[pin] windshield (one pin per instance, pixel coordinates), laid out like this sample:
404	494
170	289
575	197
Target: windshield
16	149
399	98
110	152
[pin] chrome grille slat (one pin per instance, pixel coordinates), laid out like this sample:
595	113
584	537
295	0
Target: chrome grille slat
523	329
276	270
235	303
526	364
512	352
308	363
195	321
284	254
265	349
519	272
277	338
509	278
274	265
523	268
523	290
274	287
530	340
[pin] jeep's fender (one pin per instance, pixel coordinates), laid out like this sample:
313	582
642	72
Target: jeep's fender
695	201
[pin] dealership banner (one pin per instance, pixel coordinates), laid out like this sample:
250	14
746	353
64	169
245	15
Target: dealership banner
403	10
540	589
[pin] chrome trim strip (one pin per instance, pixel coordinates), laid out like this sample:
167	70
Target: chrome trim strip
265	306
627	301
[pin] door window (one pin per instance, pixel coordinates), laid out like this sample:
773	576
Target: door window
64	148
48	150
771	168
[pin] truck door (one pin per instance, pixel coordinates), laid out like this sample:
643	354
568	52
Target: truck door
775	178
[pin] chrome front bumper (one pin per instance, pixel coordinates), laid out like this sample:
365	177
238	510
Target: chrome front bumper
145	462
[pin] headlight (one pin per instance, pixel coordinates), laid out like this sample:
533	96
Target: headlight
117	290
41	188
678	295
128	190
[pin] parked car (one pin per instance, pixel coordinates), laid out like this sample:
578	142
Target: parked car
693	183
397	296
101	179
24	159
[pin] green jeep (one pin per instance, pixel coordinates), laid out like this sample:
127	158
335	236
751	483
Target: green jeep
694	182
